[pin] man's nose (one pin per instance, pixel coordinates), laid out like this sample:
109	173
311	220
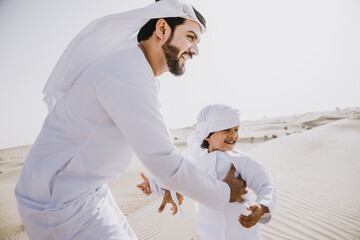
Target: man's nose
194	49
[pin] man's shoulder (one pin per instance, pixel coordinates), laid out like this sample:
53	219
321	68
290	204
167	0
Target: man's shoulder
126	66
124	60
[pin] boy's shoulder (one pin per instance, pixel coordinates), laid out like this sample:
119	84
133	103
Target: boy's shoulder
238	158
233	154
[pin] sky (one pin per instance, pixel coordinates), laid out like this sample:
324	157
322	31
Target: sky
267	58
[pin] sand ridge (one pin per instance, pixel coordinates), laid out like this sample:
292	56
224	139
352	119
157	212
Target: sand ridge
317	178
312	158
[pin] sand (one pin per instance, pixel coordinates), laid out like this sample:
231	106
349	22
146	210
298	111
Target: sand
313	160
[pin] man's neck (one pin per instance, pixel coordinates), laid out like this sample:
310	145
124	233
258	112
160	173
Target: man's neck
154	56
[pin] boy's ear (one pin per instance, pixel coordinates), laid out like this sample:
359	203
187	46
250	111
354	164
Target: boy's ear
162	29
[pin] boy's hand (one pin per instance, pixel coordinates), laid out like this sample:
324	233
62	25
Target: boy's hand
167	199
257	210
237	186
144	186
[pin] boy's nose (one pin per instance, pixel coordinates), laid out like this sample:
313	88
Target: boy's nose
232	133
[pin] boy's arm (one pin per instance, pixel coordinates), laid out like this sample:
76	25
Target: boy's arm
144	186
157	191
258	180
151	188
258	214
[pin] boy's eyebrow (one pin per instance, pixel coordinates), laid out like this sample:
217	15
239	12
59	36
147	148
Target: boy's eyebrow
195	35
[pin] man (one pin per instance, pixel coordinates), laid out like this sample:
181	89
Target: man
102	100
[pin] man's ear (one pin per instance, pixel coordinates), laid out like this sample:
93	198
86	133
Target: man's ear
162	29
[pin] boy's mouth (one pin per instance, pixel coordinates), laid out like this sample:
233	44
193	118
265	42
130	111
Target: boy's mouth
231	142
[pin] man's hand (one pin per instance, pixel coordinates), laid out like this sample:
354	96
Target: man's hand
237	186
144	186
167	199
257	210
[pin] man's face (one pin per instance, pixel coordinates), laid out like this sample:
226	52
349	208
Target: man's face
181	46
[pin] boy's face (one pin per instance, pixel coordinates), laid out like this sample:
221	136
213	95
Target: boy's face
224	140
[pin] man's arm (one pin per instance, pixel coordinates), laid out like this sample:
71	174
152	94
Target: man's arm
132	106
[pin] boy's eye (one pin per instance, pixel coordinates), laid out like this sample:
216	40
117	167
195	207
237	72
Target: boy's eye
228	130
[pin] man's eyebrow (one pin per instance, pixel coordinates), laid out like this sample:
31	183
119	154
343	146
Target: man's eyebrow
195	35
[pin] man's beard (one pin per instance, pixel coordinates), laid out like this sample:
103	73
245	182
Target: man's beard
171	53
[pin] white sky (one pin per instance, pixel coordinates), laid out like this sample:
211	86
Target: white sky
266	57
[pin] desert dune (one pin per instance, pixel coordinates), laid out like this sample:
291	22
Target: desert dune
312	158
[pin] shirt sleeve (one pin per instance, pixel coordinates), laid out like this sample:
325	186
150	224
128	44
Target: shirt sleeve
157	191
131	102
257	179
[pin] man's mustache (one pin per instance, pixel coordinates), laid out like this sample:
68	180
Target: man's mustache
190	54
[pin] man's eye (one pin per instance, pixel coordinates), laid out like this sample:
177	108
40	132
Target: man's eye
191	37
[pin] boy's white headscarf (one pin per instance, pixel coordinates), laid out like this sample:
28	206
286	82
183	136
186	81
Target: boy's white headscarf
104	36
211	118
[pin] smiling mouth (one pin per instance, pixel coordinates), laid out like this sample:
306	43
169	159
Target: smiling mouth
231	142
186	56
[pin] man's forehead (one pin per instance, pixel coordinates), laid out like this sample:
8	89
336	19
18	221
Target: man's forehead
190	26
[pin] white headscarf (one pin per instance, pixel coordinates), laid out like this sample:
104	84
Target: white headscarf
104	36
211	118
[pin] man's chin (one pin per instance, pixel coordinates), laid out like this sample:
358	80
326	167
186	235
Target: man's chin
178	71
177	74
